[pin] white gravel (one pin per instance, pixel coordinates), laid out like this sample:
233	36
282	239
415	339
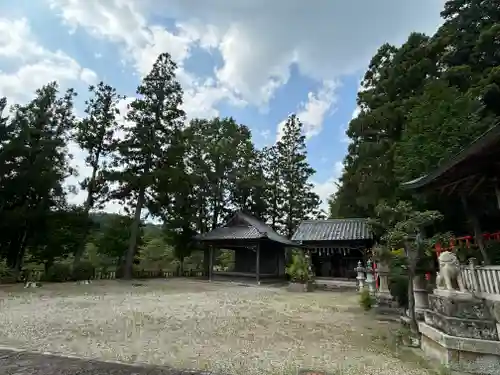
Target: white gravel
193	324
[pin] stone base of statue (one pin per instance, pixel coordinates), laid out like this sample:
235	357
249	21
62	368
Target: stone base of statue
459	330
452	295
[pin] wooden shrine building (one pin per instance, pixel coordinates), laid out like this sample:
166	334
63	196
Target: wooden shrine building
259	252
336	245
472	178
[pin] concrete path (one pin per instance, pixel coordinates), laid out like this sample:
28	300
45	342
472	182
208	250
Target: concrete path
28	363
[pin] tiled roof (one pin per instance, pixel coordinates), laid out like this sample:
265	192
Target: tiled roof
243	226
226	233
333	230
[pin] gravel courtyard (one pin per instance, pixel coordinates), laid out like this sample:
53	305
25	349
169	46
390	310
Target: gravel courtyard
225	328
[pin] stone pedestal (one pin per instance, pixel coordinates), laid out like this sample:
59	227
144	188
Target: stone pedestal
385	302
370	279
460	314
420	294
473	356
460	331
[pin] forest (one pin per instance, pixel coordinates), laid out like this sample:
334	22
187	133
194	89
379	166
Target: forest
419	104
187	175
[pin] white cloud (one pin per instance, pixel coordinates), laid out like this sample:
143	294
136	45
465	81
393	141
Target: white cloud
124	22
88	76
312	113
36	65
328	187
317	107
259	40
356	112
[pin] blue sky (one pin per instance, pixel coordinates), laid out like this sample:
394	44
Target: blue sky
256	61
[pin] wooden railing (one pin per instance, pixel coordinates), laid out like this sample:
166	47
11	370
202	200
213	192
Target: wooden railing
483	281
38	275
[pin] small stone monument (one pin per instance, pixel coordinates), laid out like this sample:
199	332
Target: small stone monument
361	276
459	329
370	279
385	302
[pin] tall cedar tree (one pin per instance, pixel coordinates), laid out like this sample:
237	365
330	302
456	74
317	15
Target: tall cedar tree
300	201
421	103
156	118
36	163
274	193
94	134
175	201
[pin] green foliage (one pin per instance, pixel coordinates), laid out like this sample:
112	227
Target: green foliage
421	103
155	254
366	300
398	280
58	273
295	189
114	237
298	270
83	271
225	259
398	272
141	159
192	178
6	274
194	262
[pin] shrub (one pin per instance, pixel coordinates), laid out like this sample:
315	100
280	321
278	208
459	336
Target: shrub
58	273
7	276
398	280
398	286
298	270
365	300
83	271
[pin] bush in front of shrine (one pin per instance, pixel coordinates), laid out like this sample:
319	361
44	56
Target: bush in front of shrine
298	269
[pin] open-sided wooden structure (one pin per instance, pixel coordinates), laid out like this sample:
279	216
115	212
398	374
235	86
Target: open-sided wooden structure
259	252
336	245
472	175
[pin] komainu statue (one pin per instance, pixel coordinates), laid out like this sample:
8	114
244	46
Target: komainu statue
449	274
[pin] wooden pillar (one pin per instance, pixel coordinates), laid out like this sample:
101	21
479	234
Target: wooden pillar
497	193
211	263
476	227
257	263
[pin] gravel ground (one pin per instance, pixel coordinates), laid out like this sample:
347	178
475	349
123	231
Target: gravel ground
223	328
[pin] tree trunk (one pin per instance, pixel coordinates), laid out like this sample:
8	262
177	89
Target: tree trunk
89	203
20	254
134	232
206	261
412	258
411	304
181	265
